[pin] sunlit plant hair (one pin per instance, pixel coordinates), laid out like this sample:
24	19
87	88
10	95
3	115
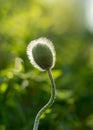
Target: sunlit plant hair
41	54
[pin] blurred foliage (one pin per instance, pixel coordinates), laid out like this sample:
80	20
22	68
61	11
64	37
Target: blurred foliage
23	89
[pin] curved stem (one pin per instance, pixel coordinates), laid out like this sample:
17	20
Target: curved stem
49	103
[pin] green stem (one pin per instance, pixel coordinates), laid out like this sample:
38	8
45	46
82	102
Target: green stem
49	103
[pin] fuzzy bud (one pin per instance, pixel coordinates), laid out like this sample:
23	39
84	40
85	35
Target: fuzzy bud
41	53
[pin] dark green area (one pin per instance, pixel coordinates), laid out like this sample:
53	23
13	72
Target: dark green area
24	89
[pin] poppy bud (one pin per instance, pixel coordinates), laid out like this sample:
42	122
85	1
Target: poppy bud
41	53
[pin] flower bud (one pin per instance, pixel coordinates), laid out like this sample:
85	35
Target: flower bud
41	53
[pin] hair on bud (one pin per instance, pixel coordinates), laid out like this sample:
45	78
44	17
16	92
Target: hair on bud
41	53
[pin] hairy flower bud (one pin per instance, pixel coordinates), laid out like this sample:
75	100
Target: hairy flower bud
41	53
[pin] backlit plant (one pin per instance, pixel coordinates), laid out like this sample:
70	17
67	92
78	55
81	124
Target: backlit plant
41	54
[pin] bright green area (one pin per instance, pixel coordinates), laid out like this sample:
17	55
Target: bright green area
24	89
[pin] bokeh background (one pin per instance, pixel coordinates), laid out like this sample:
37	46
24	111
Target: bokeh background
24	89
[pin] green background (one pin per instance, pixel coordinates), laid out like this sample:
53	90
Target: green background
24	89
